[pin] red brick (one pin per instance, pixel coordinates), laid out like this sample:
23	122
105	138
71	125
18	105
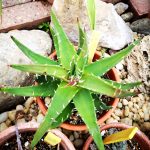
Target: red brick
8	3
141	7
26	15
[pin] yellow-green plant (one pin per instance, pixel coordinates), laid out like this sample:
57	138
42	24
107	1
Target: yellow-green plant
71	81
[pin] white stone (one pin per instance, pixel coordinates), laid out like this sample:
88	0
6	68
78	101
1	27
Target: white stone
38	41
136	106
130	115
118	112
119	105
47	100
141	114
19	107
121	7
114	33
126	111
28	102
40	118
130	104
125	102
119	66
3	117
3	126
76	135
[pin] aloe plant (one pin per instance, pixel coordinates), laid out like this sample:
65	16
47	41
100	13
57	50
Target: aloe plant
71	81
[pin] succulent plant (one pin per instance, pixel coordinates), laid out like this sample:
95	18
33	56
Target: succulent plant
71	80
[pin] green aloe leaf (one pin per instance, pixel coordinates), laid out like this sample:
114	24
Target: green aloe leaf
99	105
98	85
83	52
63	116
51	70
46	89
87	112
66	49
123	86
82	37
101	66
63	96
36	58
91	12
55	39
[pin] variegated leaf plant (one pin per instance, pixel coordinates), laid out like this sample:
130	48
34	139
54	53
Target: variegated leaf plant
71	81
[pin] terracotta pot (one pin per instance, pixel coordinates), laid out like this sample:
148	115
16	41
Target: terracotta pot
32	126
139	137
113	75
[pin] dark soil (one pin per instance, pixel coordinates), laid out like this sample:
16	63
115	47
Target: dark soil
26	139
125	145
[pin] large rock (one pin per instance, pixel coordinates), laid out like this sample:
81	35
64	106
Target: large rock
114	33
36	40
138	66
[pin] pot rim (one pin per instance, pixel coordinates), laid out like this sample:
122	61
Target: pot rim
33	126
104	116
139	137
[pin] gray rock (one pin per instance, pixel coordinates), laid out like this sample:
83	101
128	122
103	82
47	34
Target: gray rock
127	16
3	117
109	24
37	41
78	143
121	8
141	26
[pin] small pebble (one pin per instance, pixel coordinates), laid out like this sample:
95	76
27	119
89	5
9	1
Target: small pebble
118	112
145	126
121	8
130	104
111	120
136	125
40	118
3	117
12	115
130	115
127	16
146	117
8	122
19	107
126	111
119	66
71	138
141	114
125	102
3	126
28	102
78	143
76	135
47	100
119	105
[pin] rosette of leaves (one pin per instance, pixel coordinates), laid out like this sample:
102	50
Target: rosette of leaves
71	81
